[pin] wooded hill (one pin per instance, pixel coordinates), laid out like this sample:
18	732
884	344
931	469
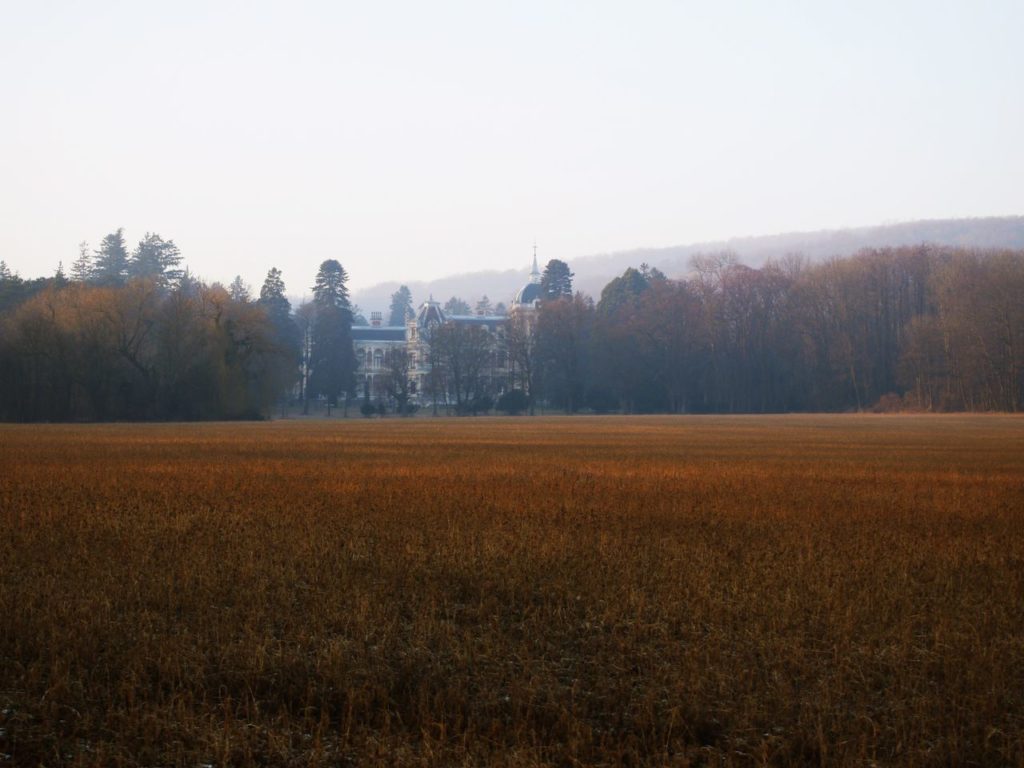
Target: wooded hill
594	271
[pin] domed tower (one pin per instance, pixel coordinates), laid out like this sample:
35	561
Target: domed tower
529	295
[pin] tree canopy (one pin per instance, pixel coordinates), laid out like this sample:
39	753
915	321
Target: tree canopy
401	307
556	280
456	306
110	266
330	288
483	307
333	361
923	328
156	258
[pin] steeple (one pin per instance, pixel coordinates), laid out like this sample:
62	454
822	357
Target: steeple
535	273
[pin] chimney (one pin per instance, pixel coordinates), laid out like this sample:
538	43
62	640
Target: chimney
375	319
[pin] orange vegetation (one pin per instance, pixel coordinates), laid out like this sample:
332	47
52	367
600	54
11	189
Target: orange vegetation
672	591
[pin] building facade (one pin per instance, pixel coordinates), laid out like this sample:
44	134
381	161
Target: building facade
374	343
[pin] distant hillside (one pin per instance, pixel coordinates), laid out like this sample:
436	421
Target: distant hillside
594	272
470	286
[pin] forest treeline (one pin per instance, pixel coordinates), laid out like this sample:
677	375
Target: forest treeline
917	328
131	335
76	351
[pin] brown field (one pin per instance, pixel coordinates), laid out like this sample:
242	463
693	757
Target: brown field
837	590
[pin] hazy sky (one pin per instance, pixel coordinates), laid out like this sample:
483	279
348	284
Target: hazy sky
415	139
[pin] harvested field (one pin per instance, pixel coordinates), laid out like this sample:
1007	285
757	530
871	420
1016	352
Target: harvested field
792	590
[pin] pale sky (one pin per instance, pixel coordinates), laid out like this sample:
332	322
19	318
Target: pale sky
410	140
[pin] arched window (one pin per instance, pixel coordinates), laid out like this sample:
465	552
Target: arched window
369	358
378	358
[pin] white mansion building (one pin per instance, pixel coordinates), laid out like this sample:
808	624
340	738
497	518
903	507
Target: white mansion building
373	342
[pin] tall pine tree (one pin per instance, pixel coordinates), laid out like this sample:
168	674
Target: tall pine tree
111	266
333	357
556	282
401	306
156	258
279	313
81	269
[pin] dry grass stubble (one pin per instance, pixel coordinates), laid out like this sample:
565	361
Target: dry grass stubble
770	590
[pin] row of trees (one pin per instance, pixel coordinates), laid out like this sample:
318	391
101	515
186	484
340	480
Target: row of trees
134	336
139	351
923	328
153	258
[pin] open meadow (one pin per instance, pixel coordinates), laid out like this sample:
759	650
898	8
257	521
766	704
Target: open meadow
788	590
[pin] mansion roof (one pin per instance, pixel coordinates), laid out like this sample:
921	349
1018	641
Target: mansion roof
431	313
397	333
490	321
378	333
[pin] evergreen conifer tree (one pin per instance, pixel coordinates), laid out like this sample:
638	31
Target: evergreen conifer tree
111	266
333	355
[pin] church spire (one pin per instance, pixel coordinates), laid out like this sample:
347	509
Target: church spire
535	273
